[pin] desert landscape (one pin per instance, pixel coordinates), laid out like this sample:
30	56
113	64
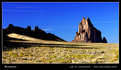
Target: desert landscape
20	48
41	51
60	35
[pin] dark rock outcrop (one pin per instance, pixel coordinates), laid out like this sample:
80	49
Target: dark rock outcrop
104	40
36	33
88	33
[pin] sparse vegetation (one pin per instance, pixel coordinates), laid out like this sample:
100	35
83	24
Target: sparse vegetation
68	53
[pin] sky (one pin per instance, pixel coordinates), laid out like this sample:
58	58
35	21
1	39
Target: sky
63	18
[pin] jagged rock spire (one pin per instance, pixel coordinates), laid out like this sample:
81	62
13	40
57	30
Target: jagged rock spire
83	19
87	32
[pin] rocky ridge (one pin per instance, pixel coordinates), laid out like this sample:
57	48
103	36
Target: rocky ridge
36	33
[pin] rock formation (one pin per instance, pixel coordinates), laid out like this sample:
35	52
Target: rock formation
36	33
88	33
104	40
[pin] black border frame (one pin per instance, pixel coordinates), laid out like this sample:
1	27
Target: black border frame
57	66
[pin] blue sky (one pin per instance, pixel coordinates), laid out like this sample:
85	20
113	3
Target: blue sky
63	18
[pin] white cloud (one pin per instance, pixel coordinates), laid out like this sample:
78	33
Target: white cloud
105	22
47	29
24	7
20	11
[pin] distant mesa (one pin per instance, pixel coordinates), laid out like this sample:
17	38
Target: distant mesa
88	33
35	33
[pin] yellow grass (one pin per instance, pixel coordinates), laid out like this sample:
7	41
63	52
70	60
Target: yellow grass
62	52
